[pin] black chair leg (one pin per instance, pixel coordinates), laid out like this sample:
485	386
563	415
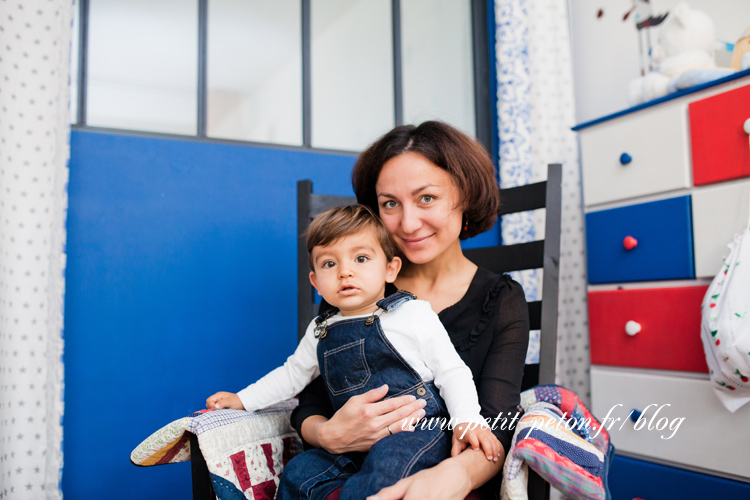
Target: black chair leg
538	488
202	489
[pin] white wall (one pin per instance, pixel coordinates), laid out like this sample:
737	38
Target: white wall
605	50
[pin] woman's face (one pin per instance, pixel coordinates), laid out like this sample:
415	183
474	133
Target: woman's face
419	204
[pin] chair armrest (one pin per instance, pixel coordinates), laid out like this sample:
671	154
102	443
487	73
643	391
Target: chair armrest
245	452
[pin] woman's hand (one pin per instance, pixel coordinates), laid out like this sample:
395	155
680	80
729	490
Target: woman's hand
225	400
363	421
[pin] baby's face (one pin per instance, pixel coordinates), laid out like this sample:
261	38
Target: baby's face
351	272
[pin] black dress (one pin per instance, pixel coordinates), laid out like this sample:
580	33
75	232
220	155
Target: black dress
489	328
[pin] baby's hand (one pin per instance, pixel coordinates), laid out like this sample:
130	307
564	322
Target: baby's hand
225	400
475	436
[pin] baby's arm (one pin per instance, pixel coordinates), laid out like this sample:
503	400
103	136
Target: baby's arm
453	379
280	384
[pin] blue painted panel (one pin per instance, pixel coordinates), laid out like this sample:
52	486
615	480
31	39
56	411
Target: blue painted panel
664	231
629	479
181	281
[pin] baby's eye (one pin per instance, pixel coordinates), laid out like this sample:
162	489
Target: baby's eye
361	259
328	264
426	198
389	204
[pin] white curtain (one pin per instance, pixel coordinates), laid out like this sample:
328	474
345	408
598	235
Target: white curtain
34	128
535	113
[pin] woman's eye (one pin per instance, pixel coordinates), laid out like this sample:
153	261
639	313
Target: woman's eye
426	198
389	204
361	259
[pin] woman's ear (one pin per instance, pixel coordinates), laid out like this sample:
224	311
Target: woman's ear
313	280
392	269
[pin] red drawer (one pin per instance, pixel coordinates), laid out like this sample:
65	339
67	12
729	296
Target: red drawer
721	148
669	336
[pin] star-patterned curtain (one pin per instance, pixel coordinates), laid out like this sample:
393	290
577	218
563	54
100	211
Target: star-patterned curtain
35	38
535	113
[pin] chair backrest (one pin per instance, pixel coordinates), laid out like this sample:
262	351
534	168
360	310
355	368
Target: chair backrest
542	254
309	206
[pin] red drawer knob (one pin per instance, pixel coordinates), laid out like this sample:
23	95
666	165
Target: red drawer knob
632	328
629	243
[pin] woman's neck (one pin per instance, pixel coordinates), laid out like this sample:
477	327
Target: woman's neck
443	281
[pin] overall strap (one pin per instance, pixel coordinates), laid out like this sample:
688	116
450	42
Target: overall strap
321	322
324	317
394	300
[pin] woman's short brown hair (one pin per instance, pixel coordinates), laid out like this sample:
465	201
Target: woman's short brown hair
461	156
339	222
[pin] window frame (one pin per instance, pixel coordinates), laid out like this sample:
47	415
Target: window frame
483	51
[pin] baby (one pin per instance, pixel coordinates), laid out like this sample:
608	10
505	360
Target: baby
363	342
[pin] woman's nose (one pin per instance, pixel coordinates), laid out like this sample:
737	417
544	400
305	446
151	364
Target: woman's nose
409	220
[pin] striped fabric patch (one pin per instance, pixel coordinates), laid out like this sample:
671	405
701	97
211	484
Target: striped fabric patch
558	453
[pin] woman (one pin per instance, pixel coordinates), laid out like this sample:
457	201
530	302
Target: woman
433	186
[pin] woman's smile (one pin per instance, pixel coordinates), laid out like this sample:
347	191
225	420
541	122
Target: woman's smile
415	242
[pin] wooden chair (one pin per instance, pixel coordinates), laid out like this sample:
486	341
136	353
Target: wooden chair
542	254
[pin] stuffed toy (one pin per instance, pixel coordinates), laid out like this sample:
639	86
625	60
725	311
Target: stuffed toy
741	52
682	57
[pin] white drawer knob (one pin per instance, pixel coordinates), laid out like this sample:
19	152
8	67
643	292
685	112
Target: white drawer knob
631	327
747	126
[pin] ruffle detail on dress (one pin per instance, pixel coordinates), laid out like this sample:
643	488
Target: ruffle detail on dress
490	302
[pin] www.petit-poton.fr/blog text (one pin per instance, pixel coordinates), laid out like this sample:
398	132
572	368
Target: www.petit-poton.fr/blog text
648	420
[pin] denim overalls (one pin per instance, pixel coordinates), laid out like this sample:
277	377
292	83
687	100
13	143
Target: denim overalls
354	357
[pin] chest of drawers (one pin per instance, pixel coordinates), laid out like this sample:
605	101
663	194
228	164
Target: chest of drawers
666	186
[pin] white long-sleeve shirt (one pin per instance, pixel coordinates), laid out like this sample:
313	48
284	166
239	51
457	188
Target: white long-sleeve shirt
417	334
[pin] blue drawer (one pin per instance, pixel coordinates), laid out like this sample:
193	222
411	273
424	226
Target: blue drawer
664	233
629	479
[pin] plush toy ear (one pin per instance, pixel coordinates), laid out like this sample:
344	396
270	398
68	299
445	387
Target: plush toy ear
680	13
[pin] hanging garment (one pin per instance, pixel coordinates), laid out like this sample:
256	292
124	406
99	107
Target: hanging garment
725	327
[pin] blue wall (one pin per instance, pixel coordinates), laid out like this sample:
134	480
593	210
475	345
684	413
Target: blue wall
181	281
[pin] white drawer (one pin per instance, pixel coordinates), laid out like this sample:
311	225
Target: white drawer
719	212
657	141
710	437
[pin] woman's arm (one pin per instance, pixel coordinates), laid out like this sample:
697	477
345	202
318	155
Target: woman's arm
498	385
499	381
452	479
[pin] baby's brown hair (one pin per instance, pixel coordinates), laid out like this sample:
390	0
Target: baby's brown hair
340	222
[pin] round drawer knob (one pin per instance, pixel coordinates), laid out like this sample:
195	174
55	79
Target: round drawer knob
629	243
626	158
634	415
421	391
632	328
747	126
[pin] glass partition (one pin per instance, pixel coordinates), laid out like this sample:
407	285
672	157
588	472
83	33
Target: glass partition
437	62
143	65
352	72
255	70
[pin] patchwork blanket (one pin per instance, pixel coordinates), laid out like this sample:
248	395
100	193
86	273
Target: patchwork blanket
561	440
245	452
